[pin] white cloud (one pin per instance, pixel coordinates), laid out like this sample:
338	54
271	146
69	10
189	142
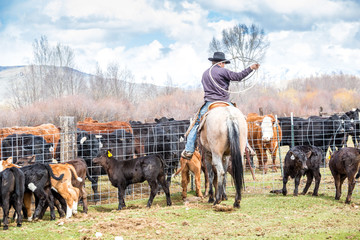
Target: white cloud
100	33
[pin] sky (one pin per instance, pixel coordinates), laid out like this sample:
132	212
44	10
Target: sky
168	40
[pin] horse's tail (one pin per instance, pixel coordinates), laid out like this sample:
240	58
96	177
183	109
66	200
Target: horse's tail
236	156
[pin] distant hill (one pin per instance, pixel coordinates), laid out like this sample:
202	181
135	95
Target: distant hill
9	74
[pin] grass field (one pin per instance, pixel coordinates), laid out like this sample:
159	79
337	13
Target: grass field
262	215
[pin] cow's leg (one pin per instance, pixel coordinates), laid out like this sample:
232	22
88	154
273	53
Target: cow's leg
84	199
161	179
351	181
153	190
197	172
27	205
317	176
285	180
273	157
5	206
297	182
18	204
94	186
338	185
121	194
184	181
309	176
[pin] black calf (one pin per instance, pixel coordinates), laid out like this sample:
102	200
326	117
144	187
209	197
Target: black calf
301	160
37	181
123	173
343	164
12	187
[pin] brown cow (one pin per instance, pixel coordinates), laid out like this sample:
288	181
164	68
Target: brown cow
345	163
193	165
94	126
49	132
264	134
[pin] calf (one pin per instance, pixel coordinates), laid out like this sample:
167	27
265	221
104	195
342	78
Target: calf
193	165
82	171
301	160
63	187
345	163
12	188
38	181
137	170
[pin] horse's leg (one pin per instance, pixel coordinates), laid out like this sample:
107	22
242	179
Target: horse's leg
211	174
226	165
219	187
206	176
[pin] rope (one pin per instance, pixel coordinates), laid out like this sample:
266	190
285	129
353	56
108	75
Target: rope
243	80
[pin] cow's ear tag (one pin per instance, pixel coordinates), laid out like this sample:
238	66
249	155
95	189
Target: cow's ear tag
292	157
109	154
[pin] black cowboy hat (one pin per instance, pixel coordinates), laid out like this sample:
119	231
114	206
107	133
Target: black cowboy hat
219	57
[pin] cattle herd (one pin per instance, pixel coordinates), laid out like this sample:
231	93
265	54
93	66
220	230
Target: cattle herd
134	152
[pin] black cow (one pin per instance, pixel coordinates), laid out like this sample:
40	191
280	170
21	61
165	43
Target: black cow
12	188
123	173
90	144
166	137
37	181
314	131
285	124
355	116
26	145
342	137
301	160
345	163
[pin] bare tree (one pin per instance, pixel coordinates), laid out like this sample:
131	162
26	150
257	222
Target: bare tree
244	44
51	75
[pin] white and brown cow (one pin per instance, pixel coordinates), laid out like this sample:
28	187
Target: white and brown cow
264	134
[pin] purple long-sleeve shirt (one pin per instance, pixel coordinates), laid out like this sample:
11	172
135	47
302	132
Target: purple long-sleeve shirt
222	76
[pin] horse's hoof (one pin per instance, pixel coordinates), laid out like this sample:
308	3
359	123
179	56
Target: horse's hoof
236	205
5	228
211	200
19	225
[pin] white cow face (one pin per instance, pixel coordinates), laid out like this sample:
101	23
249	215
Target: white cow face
267	129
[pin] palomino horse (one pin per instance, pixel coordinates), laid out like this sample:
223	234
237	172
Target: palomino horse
223	135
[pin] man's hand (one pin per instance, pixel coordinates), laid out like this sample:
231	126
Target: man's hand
255	66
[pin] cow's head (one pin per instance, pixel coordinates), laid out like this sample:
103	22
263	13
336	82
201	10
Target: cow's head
299	158
267	132
103	157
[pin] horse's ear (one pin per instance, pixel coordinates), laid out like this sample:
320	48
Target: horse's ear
308	154
157	120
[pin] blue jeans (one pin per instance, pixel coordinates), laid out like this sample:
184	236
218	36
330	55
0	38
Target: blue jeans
191	138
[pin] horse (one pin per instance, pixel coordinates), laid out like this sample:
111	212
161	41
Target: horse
223	136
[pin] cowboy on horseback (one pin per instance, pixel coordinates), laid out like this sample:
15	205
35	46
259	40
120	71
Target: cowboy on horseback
214	92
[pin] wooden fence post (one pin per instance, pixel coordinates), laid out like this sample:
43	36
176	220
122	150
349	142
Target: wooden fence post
67	138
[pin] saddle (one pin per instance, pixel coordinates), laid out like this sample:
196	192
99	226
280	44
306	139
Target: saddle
202	119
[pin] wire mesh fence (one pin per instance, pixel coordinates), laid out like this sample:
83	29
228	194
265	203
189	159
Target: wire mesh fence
166	137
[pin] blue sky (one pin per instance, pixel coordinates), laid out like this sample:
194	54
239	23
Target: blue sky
156	39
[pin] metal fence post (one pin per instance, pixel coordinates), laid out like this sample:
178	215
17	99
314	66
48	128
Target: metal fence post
277	132
67	138
292	131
